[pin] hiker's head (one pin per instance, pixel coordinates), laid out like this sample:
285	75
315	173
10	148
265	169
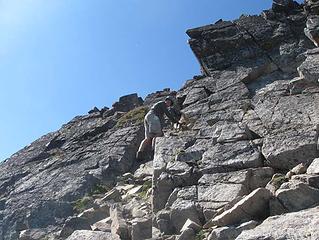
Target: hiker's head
168	101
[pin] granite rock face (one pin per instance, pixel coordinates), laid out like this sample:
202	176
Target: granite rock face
312	26
253	117
40	183
297	225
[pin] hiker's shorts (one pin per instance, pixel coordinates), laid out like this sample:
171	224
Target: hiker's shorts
152	125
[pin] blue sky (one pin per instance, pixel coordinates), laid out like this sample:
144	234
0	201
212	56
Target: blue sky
60	58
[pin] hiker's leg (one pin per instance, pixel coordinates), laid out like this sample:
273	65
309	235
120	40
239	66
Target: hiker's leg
147	139
144	144
160	134
153	144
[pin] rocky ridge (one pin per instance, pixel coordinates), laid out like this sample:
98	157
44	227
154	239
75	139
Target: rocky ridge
247	164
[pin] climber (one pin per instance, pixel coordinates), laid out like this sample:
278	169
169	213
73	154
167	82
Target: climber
175	108
153	123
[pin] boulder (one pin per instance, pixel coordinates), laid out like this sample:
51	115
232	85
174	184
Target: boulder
314	167
190	224
103	225
276	207
157	96
231	157
286	150
93	215
92	235
187	234
311	180
141	229
253	206
259	177
216	190
223	132
33	234
119	226
309	69
163	222
74	223
113	194
296	196
138	207
254	124
144	170
181	211
230	233
181	173
299	169
189	156
296	225
127	103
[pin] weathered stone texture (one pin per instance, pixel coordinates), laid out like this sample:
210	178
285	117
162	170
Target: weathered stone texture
297	225
252	133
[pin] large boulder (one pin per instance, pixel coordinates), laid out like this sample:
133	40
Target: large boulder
231	156
74	223
297	225
253	206
217	190
286	150
314	167
92	235
127	103
141	229
296	196
231	232
119	226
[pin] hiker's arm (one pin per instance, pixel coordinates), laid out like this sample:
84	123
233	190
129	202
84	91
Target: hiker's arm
169	115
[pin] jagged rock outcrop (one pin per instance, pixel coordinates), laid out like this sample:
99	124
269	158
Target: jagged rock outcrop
40	183
246	163
312	27
255	115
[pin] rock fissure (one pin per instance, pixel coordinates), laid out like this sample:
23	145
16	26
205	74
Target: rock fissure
262	49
